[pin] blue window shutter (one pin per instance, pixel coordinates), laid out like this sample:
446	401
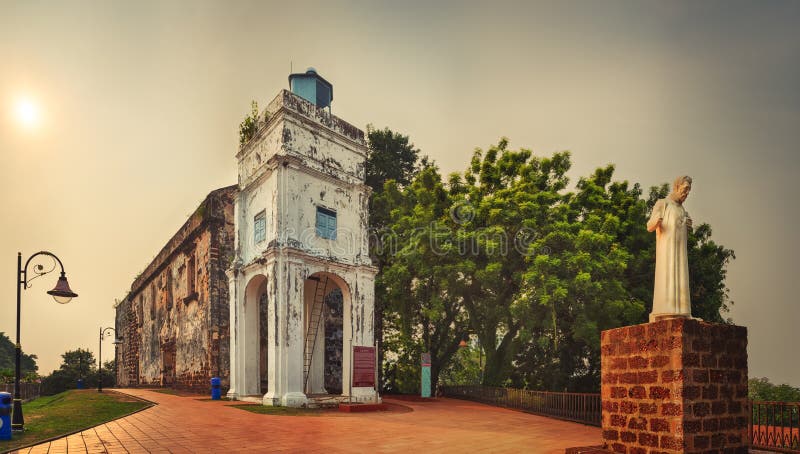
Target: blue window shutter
260	227
326	223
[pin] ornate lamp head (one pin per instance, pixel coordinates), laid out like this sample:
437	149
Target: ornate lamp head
62	293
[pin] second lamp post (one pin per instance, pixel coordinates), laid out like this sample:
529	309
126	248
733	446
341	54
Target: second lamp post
100	356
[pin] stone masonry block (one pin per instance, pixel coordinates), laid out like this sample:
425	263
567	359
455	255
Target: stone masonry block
675	386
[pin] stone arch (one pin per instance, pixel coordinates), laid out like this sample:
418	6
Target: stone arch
326	307
255	334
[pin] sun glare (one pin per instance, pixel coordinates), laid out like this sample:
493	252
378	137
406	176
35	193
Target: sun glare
27	113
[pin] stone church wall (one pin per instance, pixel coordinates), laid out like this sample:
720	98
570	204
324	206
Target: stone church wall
174	322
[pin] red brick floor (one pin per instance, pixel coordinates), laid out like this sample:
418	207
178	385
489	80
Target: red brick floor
186	424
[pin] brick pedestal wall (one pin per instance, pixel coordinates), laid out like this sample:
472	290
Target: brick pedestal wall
675	386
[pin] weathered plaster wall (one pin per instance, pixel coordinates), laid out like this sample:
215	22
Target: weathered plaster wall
261	197
175	319
306	193
292	166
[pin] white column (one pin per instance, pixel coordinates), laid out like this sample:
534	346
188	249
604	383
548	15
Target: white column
235	303
275	352
361	319
295	337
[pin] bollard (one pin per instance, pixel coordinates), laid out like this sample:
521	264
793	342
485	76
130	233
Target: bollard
215	388
5	416
425	362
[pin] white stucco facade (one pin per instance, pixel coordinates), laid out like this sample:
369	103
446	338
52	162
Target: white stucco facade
301	158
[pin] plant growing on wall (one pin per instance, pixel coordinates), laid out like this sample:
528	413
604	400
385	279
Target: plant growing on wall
249	126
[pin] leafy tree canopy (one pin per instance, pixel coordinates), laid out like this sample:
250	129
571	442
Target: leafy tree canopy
8	357
75	365
394	160
763	389
506	254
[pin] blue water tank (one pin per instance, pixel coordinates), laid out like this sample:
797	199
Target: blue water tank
312	87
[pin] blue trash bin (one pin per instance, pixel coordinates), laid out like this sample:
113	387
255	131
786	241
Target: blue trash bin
5	416
216	392
80	383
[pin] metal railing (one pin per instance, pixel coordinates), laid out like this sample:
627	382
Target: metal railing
775	426
578	407
28	391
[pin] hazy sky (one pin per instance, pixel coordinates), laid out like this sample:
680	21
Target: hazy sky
139	105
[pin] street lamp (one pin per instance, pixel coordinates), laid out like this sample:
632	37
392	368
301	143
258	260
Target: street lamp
61	293
100	356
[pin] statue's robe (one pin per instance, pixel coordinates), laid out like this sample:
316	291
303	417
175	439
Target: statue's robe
671	290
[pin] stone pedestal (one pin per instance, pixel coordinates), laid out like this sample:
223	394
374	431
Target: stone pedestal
675	386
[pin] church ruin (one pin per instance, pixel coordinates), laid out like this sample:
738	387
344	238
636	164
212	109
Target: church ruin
269	284
174	321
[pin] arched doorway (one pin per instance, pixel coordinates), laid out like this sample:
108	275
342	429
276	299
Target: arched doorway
324	334
256	337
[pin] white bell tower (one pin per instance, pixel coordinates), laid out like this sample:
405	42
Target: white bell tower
302	282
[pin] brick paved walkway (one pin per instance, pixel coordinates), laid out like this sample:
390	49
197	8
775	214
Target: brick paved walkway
186	424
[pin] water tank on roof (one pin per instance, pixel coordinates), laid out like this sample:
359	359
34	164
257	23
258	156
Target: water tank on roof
312	87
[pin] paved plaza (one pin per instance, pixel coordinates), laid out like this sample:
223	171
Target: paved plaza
188	424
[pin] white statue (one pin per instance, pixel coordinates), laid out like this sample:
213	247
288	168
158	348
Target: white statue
671	223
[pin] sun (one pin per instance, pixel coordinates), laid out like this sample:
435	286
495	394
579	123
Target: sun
27	112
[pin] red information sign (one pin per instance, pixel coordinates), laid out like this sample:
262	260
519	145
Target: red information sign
364	367
426	360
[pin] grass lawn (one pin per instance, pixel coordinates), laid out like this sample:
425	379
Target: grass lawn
69	412
284	411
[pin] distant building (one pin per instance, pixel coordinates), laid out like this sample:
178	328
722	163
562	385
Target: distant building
301	282
174	323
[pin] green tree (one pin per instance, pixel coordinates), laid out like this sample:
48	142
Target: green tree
708	268
423	313
764	390
611	215
8	353
505	252
575	287
392	158
504	201
75	364
761	389
464	367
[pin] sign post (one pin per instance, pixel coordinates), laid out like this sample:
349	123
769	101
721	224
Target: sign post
426	374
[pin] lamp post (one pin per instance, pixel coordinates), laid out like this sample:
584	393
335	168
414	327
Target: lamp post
100	356
61	293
